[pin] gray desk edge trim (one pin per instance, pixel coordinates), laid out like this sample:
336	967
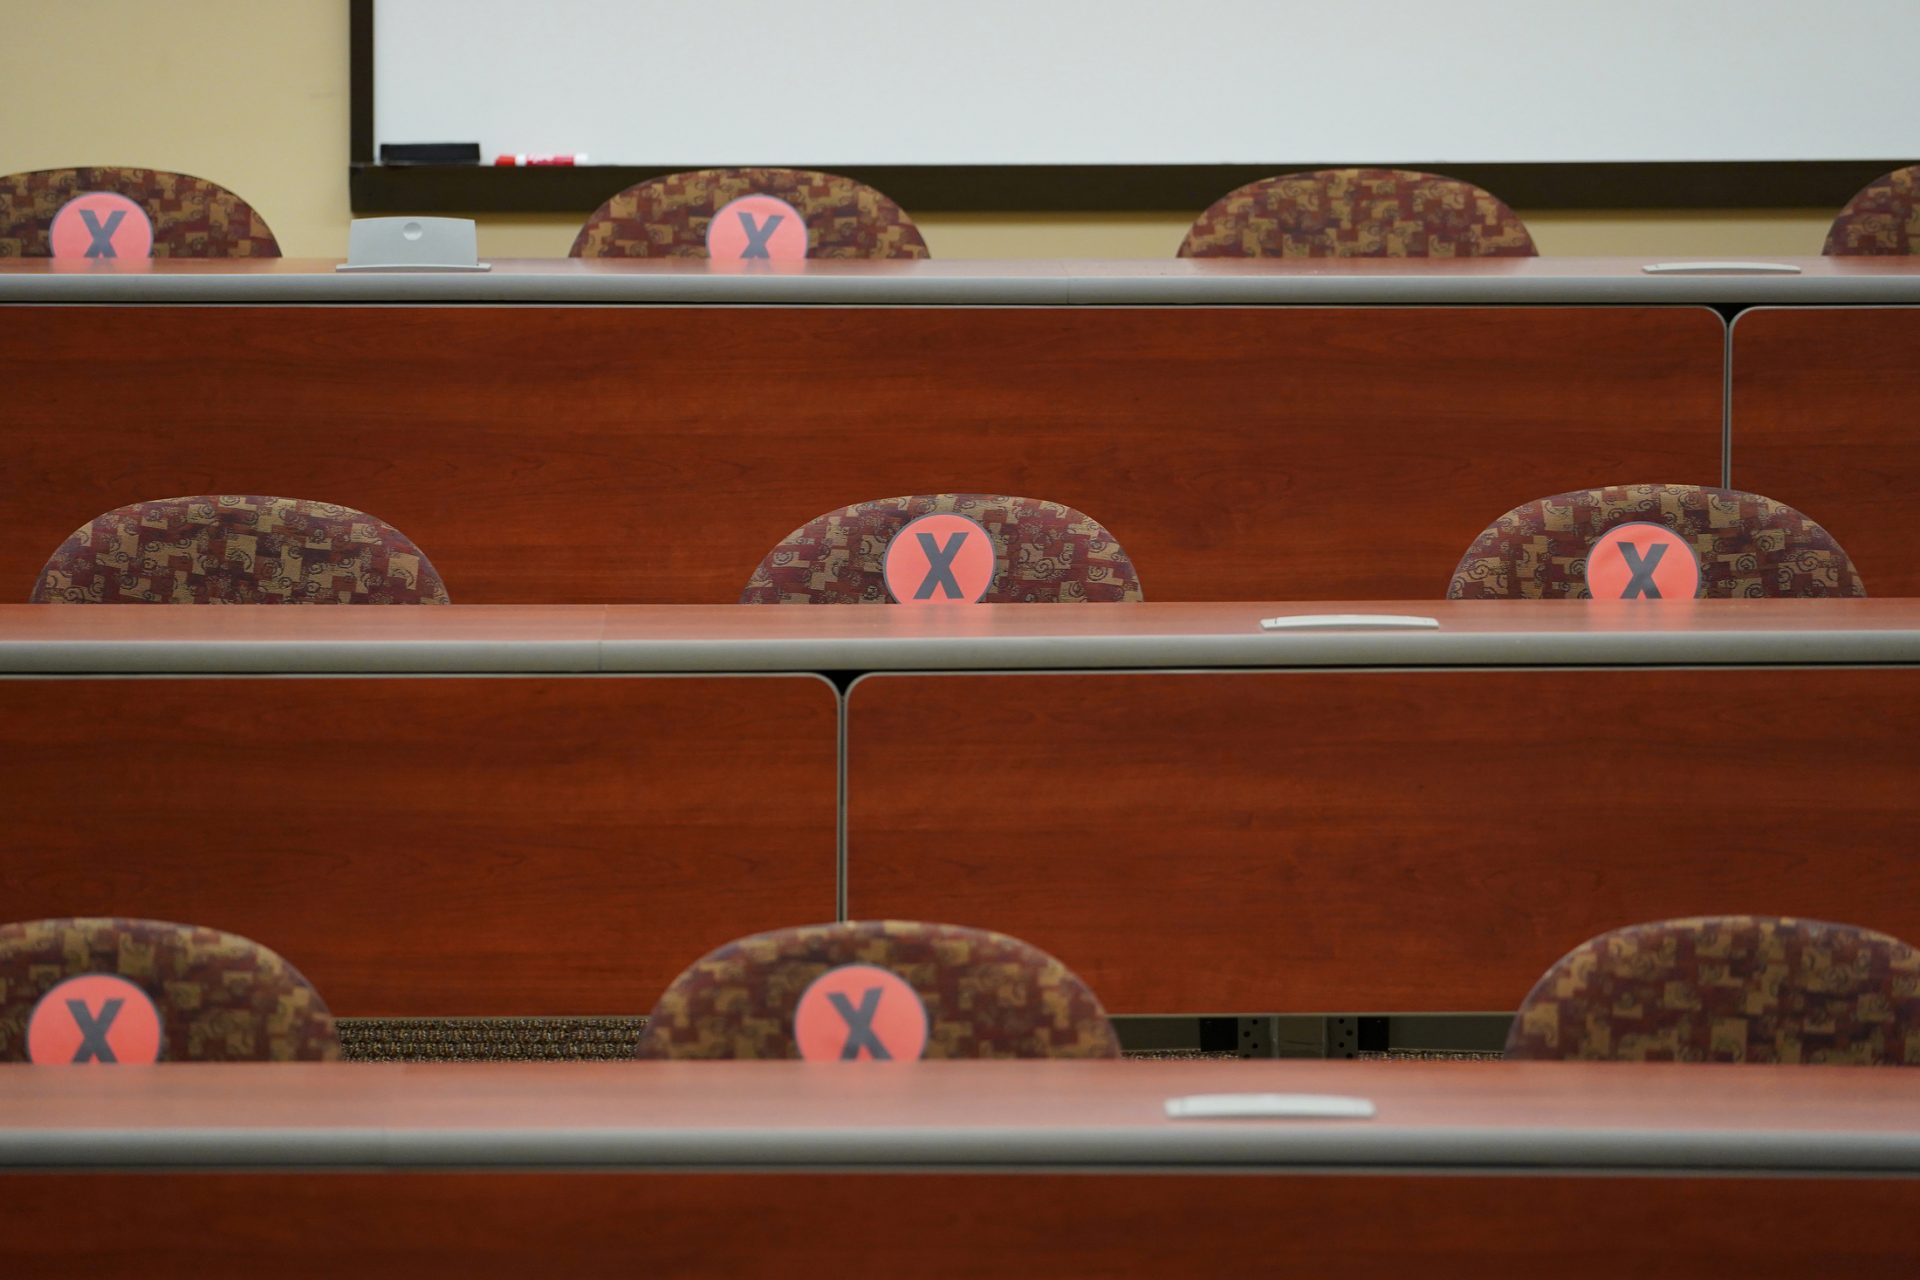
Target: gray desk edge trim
1199	1147
1254	650
1060	289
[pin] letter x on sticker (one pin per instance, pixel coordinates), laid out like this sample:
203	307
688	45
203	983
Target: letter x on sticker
1642	583
757	237
860	1025
102	246
940	566
93	1032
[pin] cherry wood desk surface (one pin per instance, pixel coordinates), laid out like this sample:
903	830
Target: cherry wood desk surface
661	639
448	847
1823	408
1396	822
1054	282
1009	1116
1237	452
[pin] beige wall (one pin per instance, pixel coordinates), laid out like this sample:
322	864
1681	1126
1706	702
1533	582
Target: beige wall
253	94
249	93
1643	233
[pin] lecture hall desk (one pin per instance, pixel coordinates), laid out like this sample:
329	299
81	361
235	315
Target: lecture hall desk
481	810
643	432
957	1169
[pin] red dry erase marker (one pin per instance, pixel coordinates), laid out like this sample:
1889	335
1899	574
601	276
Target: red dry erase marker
580	158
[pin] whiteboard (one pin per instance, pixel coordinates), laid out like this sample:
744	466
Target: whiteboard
1151	82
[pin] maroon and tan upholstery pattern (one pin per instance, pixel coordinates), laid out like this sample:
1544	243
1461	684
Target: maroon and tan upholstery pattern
1358	213
226	549
192	218
1043	553
220	997
986	995
1728	989
667	217
1747	545
1882	218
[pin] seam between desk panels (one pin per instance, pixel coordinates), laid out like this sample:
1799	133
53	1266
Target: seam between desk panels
1726	402
840	696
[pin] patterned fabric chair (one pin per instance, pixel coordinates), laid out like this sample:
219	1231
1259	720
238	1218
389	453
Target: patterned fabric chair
667	217
1358	213
220	997
1043	552
1728	989
192	218
1747	545
238	550
1883	218
986	995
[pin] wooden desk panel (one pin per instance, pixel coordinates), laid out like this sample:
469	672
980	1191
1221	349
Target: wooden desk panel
1375	841
651	455
432	847
1824	407
515	1225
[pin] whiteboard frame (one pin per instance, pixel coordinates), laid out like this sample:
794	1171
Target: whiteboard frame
1771	184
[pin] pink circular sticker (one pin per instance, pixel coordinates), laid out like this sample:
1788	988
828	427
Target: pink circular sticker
96	1017
757	229
101	224
939	559
1642	561
860	1013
